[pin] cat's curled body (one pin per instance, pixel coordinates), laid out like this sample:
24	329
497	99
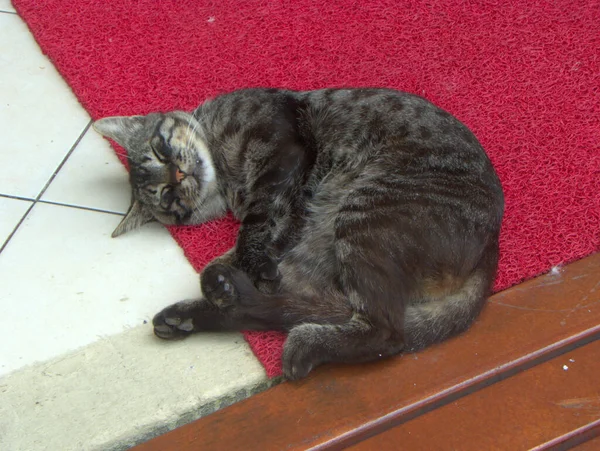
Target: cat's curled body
370	217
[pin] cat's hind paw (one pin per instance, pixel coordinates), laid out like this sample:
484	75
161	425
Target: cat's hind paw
224	285
298	356
174	322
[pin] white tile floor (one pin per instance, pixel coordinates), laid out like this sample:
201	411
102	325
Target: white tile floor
73	298
41	119
61	275
5	6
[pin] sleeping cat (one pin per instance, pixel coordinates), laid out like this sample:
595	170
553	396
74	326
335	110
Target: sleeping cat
369	217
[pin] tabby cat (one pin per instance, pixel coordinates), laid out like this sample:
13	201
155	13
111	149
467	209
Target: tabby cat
369	217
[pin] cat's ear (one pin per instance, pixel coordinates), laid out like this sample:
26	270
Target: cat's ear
119	128
136	217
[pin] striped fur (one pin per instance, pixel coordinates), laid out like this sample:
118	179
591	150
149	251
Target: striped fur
370	217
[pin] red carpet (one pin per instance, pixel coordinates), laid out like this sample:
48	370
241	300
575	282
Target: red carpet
524	75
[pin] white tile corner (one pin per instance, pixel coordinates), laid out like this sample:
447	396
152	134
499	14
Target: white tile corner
92	177
6	6
78	284
11	212
39	115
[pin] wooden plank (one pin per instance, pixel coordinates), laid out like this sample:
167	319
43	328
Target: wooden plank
590	445
340	405
539	409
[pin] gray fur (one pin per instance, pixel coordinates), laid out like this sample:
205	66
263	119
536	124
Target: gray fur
370	217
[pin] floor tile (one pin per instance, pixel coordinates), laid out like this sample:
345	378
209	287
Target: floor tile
5	5
40	118
11	212
123	390
92	177
64	282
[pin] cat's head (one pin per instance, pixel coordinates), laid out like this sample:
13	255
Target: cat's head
172	175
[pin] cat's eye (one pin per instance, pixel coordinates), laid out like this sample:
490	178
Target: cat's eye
156	144
160	158
167	196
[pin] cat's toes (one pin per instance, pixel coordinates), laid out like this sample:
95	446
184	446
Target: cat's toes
268	277
298	359
268	269
172	323
218	284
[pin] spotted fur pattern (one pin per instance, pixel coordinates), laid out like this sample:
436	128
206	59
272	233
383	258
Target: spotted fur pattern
370	217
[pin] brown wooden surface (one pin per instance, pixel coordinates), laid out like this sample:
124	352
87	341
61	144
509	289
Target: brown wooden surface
342	405
543	405
592	445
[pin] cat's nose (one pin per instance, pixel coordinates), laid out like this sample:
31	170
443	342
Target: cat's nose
179	175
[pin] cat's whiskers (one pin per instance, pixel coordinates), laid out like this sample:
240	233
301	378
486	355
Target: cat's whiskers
187	132
121	154
190	135
197	204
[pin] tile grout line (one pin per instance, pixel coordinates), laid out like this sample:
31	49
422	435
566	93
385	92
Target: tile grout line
16	227
41	193
8	12
12	196
80	207
64	160
61	204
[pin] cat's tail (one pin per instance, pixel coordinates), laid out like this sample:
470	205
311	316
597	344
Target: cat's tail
434	320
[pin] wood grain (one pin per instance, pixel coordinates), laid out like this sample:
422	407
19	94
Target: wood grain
537	409
341	405
591	445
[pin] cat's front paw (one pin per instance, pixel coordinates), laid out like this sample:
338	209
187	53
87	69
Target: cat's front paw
265	275
267	269
260	266
174	322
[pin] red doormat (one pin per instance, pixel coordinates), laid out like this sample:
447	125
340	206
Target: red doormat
523	75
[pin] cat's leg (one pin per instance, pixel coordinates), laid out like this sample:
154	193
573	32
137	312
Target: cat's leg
309	345
221	285
275	212
213	312
221	309
233	291
186	317
320	332
375	287
232	303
